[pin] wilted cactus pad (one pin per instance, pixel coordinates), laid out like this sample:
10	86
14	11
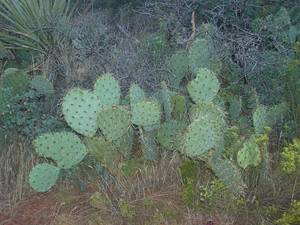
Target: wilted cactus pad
114	122
80	108
108	90
63	147
43	176
146	113
204	87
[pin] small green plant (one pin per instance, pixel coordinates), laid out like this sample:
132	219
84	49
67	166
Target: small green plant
126	209
290	157
292	216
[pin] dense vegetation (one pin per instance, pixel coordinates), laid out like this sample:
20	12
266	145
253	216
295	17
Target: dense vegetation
159	111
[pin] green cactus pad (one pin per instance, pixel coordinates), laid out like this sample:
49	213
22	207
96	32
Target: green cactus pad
43	176
104	151
15	79
42	85
213	112
146	113
235	107
229	173
201	136
178	66
179	107
63	147
108	90
204	87
114	122
168	134
249	155
136	94
7	99
202	55
260	119
80	108
124	144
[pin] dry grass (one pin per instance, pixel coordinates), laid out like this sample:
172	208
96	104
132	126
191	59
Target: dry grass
16	163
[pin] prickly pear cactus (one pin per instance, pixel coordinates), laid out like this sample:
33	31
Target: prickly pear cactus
136	94
179	107
166	101
43	176
15	79
277	112
201	55
204	87
63	147
265	116
211	111
42	85
229	173
169	133
149	145
201	136
104	151
108	90
7	98
178	66
146	113
114	122
249	155
124	144
260	119
235	107
80	108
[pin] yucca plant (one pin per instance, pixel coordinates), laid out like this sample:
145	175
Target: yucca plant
31	24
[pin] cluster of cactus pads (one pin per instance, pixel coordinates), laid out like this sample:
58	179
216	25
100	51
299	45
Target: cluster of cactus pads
192	125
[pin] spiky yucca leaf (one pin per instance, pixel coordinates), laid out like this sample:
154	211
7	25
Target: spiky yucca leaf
29	24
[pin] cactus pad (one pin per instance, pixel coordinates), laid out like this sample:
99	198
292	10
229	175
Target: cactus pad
42	85
211	111
146	113
260	119
249	155
15	79
201	136
63	147
114	122
168	134
229	173
80	108
124	144
235	107
104	151
108	90
178	65
201	55
179	107
136	94
204	87
43	176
